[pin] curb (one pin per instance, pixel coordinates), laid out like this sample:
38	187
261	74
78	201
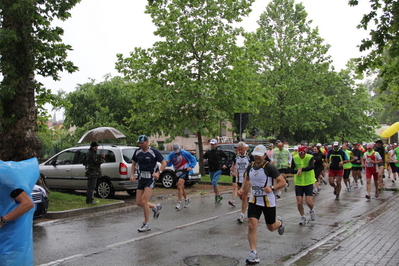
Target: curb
78	212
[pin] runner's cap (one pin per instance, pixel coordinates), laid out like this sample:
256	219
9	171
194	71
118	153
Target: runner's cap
259	150
176	147
213	141
370	145
318	145
336	143
295	148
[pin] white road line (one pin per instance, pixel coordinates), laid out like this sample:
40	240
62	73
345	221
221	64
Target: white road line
62	260
135	239
197	222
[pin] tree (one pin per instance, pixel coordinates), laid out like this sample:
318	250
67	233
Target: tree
190	79
290	59
383	45
29	46
107	103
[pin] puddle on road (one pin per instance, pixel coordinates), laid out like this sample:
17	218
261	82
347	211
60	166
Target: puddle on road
210	260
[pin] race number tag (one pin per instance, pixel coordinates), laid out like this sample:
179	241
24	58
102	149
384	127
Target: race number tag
369	164
258	191
145	174
279	160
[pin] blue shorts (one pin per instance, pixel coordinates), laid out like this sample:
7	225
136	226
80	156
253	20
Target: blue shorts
146	182
215	177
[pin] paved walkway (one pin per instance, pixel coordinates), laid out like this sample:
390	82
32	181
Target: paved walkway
374	241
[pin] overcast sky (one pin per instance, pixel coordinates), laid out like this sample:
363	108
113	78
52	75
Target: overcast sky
100	29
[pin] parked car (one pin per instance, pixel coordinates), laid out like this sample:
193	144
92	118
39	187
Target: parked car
168	177
40	199
228	163
65	170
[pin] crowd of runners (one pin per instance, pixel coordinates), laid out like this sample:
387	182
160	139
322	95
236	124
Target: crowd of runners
260	177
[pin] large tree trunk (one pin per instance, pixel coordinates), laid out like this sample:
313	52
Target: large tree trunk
201	153
18	121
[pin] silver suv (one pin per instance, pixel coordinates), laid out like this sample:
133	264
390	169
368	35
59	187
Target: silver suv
65	170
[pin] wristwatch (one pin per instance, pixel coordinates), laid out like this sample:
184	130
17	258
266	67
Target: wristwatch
272	187
3	221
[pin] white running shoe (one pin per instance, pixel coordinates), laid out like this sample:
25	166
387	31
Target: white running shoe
145	227
241	218
312	215
156	210
253	258
187	202
302	221
281	228
178	206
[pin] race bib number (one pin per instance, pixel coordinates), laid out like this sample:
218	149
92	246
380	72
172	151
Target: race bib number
369	164
279	160
145	175
355	158
258	191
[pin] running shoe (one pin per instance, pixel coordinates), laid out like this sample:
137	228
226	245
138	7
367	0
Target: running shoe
187	202
312	215
282	227
337	197
156	210
241	218
302	221
393	181
278	195
145	227
253	258
368	197
324	182
218	199
335	191
355	186
361	181
232	203
376	194
178	206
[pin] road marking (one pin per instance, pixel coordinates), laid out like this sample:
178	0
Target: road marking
135	239
62	260
197	222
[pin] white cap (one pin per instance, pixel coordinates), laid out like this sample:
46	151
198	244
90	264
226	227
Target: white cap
176	147
318	145
259	150
336	143
213	141
295	148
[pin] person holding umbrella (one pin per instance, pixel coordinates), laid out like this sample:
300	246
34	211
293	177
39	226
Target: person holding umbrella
145	162
93	171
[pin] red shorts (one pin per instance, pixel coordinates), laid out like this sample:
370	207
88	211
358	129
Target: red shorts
332	173
371	172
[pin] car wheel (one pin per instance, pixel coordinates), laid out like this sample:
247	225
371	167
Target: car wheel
168	180
105	189
131	192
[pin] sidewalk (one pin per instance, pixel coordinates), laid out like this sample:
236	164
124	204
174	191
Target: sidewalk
372	240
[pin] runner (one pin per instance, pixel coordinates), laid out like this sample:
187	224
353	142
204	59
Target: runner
391	160
371	159
336	158
240	164
304	177
357	164
214	158
347	167
145	162
270	151
319	159
282	160
379	147
262	176
295	152
183	162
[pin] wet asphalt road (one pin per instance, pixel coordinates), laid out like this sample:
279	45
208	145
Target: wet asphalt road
111	238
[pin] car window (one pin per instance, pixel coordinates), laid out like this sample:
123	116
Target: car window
65	158
128	155
109	155
81	154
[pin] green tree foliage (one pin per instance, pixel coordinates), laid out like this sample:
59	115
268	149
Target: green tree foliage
107	103
383	45
29	46
190	79
291	61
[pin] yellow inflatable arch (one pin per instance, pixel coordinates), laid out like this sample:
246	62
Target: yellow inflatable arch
387	133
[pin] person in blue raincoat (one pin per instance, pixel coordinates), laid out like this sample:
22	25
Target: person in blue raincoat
16	211
183	163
